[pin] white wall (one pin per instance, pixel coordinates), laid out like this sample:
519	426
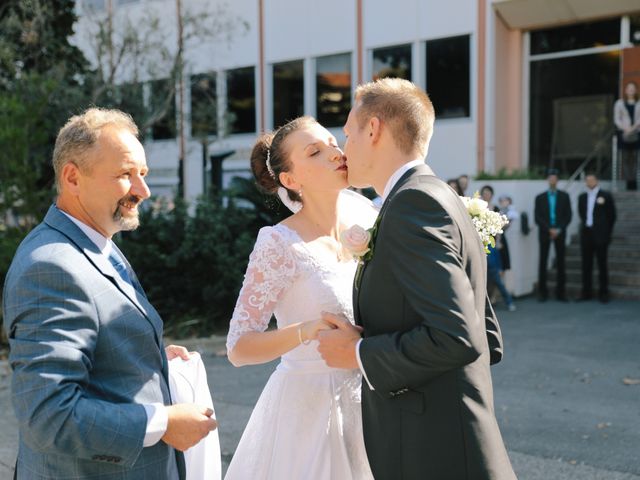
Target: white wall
453	148
296	29
452	151
404	21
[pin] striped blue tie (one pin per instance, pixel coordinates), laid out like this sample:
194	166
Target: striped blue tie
118	263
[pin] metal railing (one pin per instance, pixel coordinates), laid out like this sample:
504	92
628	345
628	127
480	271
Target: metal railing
597	153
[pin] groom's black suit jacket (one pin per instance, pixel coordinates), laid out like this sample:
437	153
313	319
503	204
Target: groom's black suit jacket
429	337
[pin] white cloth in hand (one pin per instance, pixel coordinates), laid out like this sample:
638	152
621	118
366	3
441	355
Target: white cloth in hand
188	384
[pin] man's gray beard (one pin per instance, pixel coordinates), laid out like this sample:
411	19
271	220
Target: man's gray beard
126	224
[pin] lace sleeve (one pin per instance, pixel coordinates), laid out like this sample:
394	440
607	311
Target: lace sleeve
270	271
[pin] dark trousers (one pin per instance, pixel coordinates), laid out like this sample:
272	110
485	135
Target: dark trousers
545	244
588	247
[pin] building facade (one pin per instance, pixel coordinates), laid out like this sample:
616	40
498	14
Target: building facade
516	84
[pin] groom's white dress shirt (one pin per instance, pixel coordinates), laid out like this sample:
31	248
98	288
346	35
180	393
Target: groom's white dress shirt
393	179
157	417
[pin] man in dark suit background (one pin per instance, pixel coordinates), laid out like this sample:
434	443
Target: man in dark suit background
552	215
597	212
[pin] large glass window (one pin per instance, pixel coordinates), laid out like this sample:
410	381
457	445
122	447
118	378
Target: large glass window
333	89
131	100
448	82
204	111
575	37
162	108
392	62
93	5
288	91
570	113
634	29
241	100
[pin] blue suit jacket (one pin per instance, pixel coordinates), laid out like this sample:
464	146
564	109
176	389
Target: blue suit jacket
86	352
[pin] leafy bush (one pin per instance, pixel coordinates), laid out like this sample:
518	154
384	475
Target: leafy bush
10	238
190	261
192	265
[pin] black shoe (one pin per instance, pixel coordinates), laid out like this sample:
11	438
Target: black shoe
562	298
584	298
542	298
603	297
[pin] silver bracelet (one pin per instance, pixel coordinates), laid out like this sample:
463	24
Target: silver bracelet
303	342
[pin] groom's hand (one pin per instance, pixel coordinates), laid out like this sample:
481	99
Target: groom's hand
187	425
338	347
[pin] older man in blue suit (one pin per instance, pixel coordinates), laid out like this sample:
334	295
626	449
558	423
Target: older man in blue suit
90	386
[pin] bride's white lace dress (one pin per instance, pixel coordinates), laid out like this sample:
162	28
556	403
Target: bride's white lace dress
307	423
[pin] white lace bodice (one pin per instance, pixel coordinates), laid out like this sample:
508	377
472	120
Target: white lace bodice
287	278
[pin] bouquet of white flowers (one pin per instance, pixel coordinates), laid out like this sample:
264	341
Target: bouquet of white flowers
487	222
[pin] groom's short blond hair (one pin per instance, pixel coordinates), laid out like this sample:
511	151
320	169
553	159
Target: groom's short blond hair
403	107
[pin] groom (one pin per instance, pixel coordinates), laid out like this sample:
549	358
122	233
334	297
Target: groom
90	388
430	333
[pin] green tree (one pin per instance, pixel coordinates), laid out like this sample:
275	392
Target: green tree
41	77
41	84
35	39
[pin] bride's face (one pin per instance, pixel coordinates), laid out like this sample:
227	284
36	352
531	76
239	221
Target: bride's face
317	161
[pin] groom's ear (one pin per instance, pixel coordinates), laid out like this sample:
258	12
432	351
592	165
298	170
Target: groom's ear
375	129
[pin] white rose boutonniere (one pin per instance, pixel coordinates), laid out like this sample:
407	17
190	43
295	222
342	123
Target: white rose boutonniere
356	240
600	200
488	223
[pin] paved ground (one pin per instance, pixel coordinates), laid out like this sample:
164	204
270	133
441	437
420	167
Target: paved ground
560	393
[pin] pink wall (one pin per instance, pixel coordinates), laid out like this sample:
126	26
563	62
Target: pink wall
509	101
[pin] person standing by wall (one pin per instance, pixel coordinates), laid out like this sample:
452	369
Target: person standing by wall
498	259
597	211
463	183
626	116
552	215
455	184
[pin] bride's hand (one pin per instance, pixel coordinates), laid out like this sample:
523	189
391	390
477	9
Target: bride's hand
309	330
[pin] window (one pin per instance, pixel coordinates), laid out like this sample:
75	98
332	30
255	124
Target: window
241	100
571	109
333	89
392	62
574	37
288	91
131	101
448	82
162	108
634	30
93	5
204	111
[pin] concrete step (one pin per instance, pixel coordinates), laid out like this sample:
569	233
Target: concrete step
617	278
622	265
616	251
627	226
574	291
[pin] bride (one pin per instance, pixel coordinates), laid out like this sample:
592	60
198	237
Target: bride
307	422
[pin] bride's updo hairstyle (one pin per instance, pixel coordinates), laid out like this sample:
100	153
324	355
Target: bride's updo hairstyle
272	146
